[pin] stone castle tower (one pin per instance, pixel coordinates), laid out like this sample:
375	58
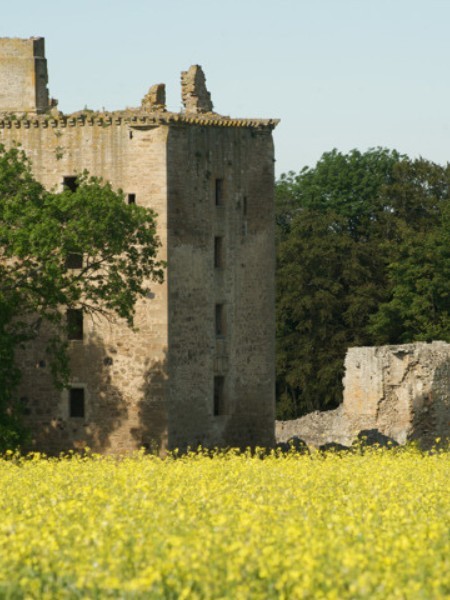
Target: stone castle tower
200	366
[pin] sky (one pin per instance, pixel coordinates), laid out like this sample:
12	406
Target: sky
337	73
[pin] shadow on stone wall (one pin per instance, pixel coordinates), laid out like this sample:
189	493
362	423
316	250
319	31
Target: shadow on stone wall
431	416
106	410
152	433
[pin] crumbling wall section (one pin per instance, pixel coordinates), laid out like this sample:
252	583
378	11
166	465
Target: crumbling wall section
402	391
23	75
317	428
195	96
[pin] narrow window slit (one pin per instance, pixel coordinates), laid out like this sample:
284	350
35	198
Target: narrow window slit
220	320
219	192
218	252
219	396
74	324
76	402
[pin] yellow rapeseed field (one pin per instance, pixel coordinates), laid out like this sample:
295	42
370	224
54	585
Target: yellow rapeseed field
365	525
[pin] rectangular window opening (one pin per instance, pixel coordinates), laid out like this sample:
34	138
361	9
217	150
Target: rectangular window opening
220	320
70	183
76	402
218	252
74	324
219	192
131	198
74	260
219	395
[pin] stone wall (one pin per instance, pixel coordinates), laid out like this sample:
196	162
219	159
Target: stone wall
401	391
119	369
23	75
194	94
199	160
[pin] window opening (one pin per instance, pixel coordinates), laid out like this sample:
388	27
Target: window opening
76	402
74	260
220	320
70	183
74	324
244	206
131	198
218	252
219	396
25	405
219	192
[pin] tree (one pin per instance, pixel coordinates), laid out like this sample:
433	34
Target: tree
356	235
40	234
419	305
348	184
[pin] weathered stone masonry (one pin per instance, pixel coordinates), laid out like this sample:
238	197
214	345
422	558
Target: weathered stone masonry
401	391
182	378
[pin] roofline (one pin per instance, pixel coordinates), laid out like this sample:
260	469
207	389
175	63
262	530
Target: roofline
136	119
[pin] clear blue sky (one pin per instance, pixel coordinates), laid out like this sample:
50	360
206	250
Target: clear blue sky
338	73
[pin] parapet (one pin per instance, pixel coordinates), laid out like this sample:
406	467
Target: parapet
23	75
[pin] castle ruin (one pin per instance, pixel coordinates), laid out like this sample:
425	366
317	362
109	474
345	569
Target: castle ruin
402	392
199	369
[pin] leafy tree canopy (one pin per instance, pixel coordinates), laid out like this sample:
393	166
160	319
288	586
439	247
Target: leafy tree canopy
40	232
362	258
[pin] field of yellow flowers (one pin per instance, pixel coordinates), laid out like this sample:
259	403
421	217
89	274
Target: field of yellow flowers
364	525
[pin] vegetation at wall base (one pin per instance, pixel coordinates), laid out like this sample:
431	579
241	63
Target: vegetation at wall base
333	526
363	258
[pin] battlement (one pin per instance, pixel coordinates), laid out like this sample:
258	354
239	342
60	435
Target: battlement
23	75
137	119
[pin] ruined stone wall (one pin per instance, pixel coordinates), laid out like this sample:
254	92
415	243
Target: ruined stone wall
123	372
401	391
235	164
194	94
23	75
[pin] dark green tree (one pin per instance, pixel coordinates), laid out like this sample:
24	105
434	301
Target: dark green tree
40	234
360	238
419	276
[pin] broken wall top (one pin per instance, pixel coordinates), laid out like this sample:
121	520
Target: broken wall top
403	391
24	99
23	75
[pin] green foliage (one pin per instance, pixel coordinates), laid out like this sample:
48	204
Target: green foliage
419	307
363	258
39	231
